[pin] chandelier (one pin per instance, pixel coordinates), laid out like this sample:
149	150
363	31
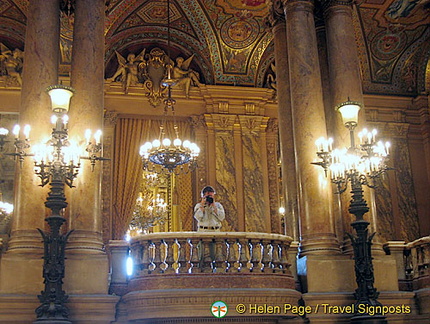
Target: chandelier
150	209
163	155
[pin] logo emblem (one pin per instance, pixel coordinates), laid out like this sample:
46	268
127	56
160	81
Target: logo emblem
219	309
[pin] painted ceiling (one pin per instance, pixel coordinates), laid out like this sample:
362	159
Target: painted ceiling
233	46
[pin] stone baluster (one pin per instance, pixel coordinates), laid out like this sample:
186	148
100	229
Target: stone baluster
268	256
145	252
194	260
229	253
250	254
163	250
260	251
284	258
244	255
235	253
276	257
180	259
220	255
207	255
169	258
152	251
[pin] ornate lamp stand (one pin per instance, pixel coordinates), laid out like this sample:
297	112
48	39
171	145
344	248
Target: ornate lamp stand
359	165
57	164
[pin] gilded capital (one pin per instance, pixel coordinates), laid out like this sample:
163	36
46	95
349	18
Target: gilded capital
110	117
328	4
299	5
276	14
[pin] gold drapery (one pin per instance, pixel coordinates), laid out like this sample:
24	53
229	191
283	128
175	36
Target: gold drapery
130	134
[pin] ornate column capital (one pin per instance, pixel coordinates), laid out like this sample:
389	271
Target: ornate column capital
253	124
301	5
328	5
276	15
110	117
198	122
220	122
397	130
331	3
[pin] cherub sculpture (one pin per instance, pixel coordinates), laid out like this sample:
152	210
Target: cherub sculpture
185	76
12	63
128	70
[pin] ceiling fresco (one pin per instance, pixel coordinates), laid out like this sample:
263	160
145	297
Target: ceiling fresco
231	44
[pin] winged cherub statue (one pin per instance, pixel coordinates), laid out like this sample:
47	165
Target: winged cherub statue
128	70
11	63
184	75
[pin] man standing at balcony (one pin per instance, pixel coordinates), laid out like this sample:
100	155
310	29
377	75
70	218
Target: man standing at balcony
208	212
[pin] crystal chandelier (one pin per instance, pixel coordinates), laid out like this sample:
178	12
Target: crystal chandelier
164	155
150	209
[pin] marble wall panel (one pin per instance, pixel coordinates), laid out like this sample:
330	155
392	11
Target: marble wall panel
384	208
407	203
226	178
253	183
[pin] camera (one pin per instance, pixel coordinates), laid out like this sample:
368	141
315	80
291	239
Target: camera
209	199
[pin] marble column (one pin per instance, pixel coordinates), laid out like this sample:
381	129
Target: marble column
345	81
87	262
288	164
314	190
41	57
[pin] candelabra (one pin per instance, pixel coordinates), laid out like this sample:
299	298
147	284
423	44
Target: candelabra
360	165
56	163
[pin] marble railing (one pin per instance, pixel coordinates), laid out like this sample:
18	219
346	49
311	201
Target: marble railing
199	259
209	252
413	262
418	262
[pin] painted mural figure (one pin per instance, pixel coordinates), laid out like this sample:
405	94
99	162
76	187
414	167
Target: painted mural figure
184	75
208	212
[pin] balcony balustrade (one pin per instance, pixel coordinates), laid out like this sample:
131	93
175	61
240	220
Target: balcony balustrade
180	274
